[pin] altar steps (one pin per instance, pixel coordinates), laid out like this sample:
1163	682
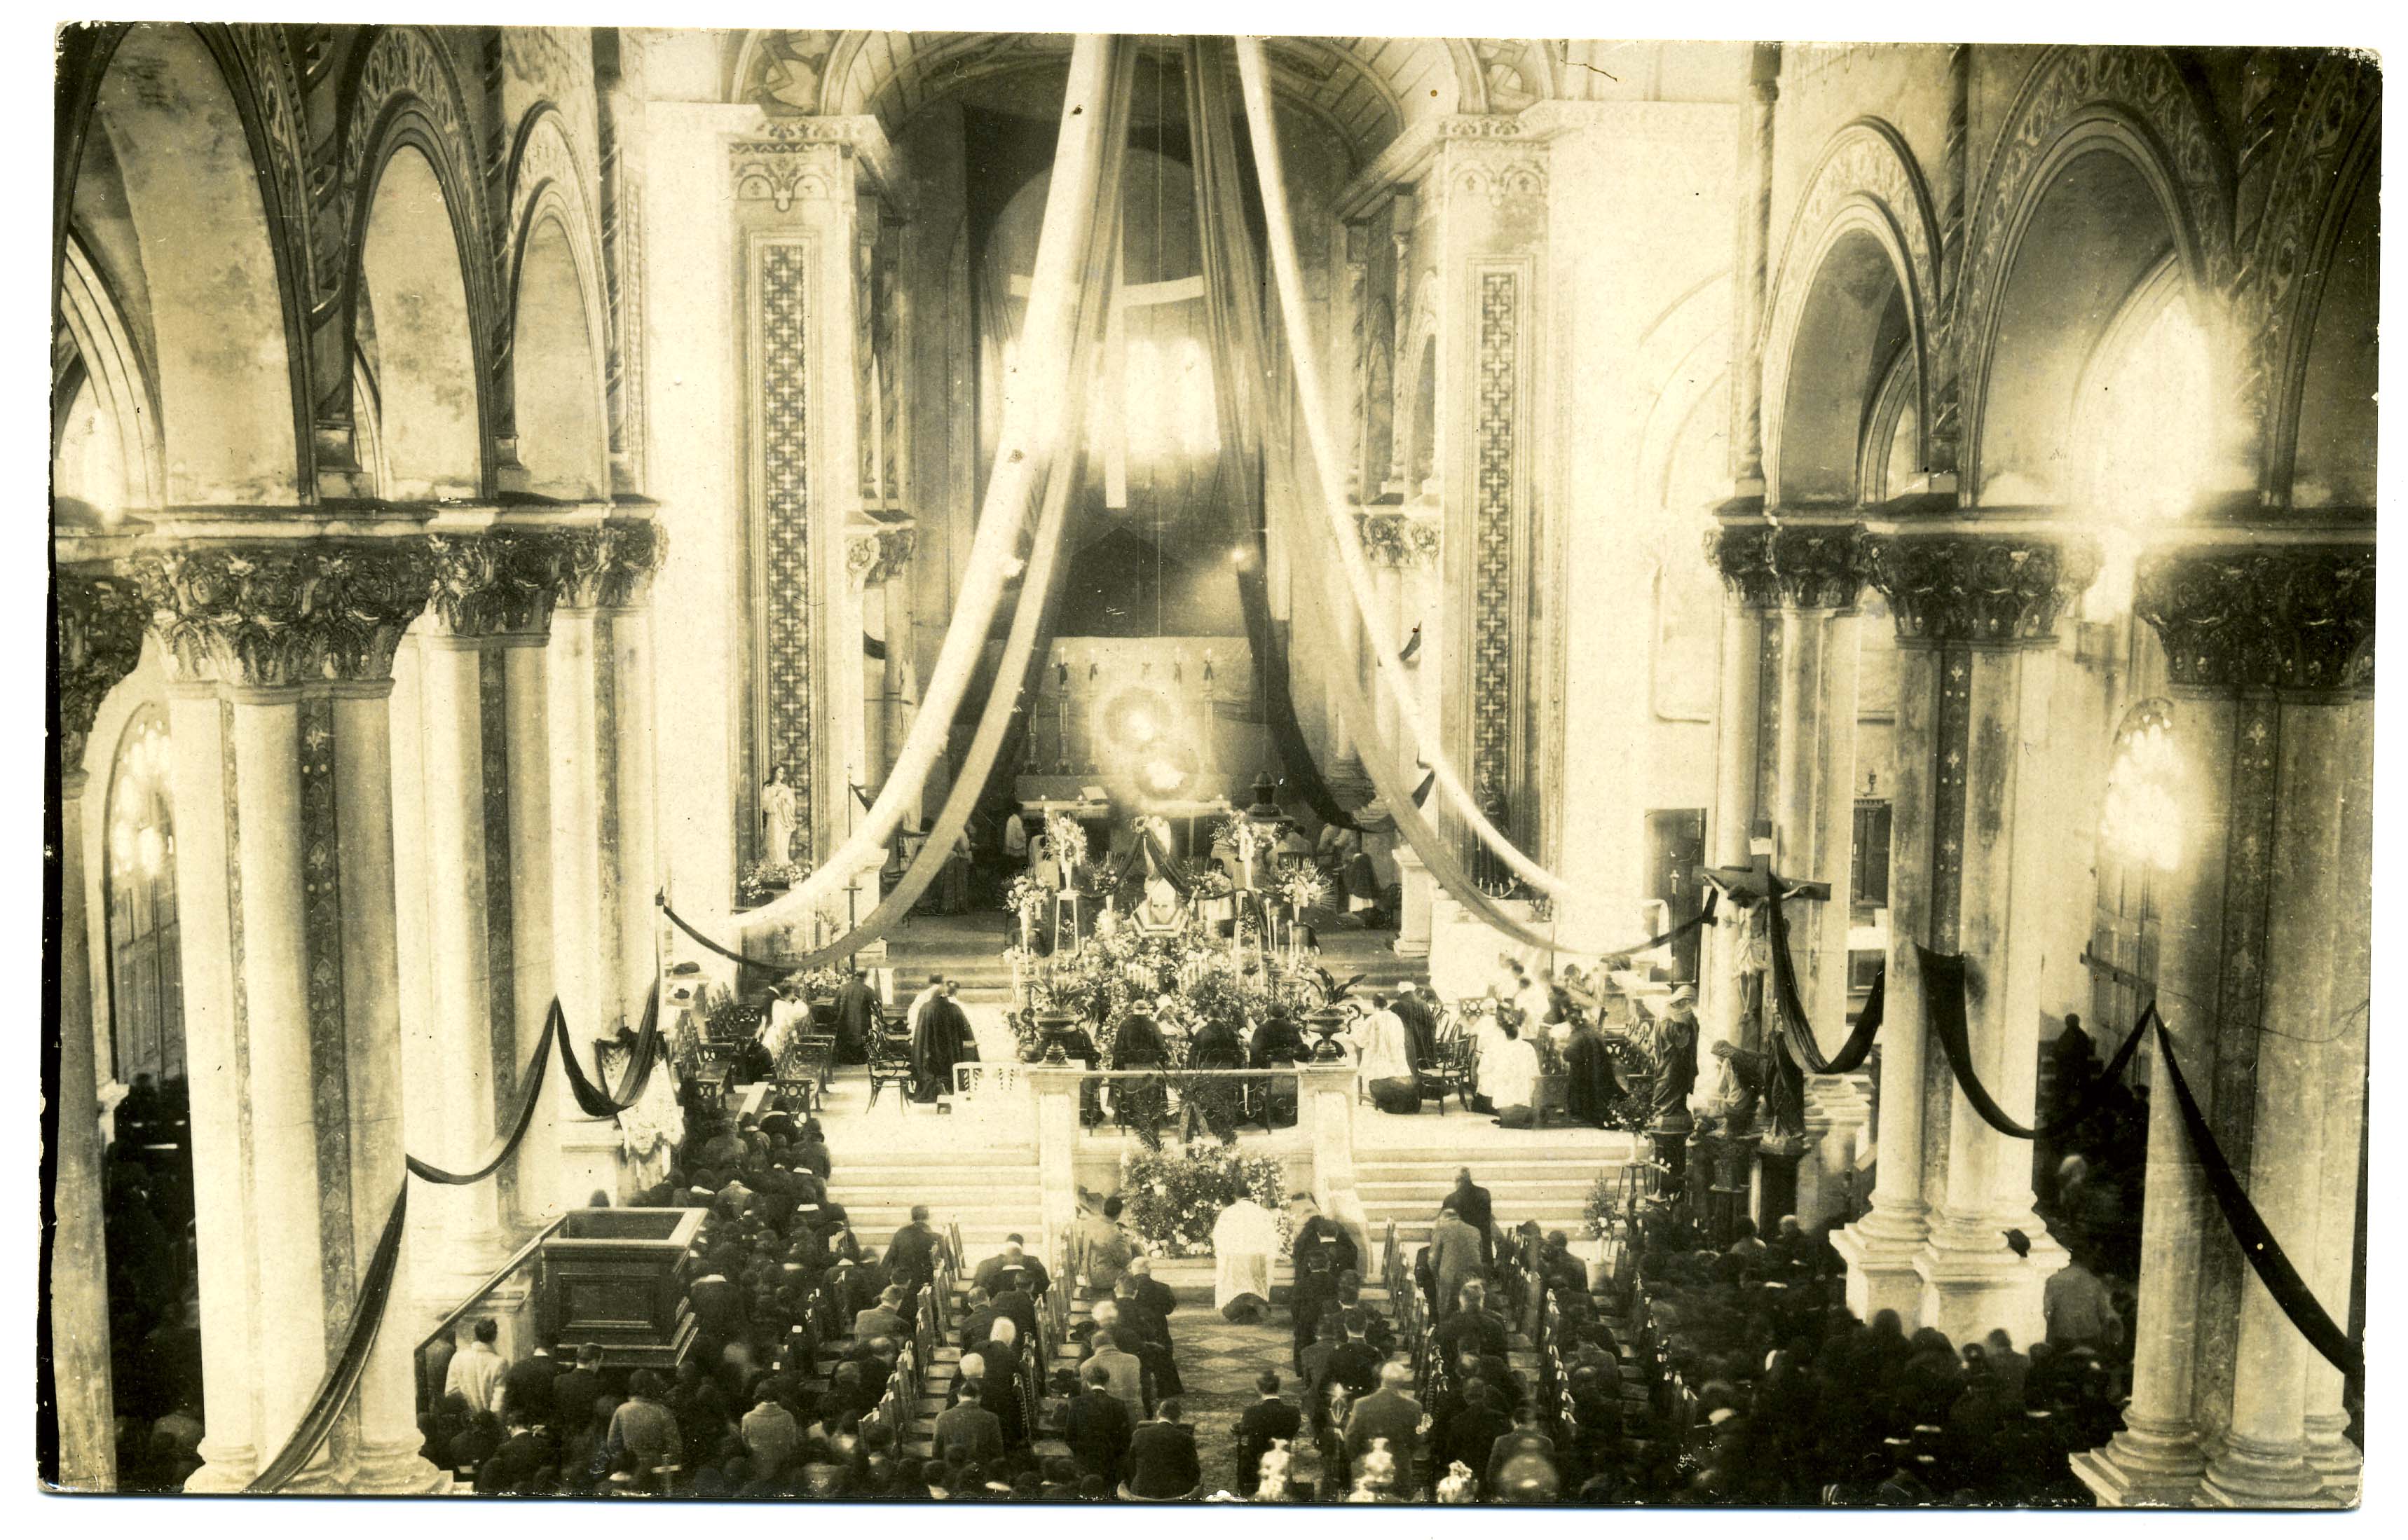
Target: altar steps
1551	1187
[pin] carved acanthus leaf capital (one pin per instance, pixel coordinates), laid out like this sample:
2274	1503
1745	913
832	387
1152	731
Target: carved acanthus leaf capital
1404	541
1968	586
874	555
489	584
281	612
100	620
607	567
1795	566
2262	616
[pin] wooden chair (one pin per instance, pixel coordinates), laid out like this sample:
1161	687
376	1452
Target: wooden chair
890	1065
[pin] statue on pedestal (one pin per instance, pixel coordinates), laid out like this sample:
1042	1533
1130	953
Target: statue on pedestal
778	819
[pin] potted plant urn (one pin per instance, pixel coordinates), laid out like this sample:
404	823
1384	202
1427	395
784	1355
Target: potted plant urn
1328	1021
1054	1030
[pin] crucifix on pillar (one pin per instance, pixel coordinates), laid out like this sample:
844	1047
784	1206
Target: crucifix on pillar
1747	1063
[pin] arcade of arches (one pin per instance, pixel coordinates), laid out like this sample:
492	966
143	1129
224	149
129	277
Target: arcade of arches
481	455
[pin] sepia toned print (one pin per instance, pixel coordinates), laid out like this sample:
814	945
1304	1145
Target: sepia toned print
918	766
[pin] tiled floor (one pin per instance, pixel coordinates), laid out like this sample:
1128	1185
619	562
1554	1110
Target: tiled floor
1219	1361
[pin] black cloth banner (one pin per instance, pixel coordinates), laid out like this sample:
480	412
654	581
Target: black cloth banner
873	647
592	1099
1420	793
2258	1244
1797	1029
334	1390
1943	1008
530	1093
1413	645
1180	875
1279	702
1703	917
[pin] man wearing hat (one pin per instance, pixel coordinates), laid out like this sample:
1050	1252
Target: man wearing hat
1676	1053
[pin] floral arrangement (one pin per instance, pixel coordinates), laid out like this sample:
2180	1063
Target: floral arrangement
1069	838
1171	1198
1026	898
768	876
1604	1204
1213	883
820	983
1304	888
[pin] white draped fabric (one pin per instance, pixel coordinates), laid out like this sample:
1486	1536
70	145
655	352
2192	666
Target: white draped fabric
1032	431
1313	409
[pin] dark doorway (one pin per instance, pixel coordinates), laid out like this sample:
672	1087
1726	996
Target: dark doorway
1676	846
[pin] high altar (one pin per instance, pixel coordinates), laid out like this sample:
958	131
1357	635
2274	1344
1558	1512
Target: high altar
1153	719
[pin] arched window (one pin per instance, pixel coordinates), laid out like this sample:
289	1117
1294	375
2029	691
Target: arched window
2141	835
2143	429
146	976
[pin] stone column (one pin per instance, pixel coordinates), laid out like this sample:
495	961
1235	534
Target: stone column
1976	616
1325	1100
99	617
284	819
1786	751
1747	575
876	554
2269	647
2155	1461
481	764
1056	1088
601	571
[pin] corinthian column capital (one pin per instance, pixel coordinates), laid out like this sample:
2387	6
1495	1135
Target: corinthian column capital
100	619
608	568
2262	616
495	582
1794	566
1969	585
266	612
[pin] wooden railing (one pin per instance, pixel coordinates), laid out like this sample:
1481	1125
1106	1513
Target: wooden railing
518	1260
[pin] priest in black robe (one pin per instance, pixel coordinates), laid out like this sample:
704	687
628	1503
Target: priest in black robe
941	1040
856	1018
1594	1089
1141	1103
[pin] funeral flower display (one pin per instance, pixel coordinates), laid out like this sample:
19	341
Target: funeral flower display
1171	1198
768	876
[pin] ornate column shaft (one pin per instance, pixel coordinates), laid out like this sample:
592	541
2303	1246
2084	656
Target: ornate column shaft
1750	278
1787	760
1976	617
603	569
2270	651
284	820
491	609
99	640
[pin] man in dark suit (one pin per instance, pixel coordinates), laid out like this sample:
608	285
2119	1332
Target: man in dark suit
969	1431
858	1019
1014	1264
976	1326
882	1320
1473	1324
1098	1426
1162	1456
912	1256
1471	1201
1473	1432
1390	1413
573	1393
1526	1440
1264	1422
527	1388
1018	1309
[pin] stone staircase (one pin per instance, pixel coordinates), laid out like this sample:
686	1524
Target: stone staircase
989	1192
1550	1185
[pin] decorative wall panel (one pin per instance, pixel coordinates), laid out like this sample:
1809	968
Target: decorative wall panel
783	359
1493	609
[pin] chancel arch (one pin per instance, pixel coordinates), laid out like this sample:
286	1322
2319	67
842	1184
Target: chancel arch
2323	442
167	216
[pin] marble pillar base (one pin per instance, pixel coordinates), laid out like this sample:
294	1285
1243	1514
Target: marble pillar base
2247	1474
1969	1294
2332	1455
396	1471
2143	1467
1880	1251
1838	1116
592	1159
1413	924
224	1468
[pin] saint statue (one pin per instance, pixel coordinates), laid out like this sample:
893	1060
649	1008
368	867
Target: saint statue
778	819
